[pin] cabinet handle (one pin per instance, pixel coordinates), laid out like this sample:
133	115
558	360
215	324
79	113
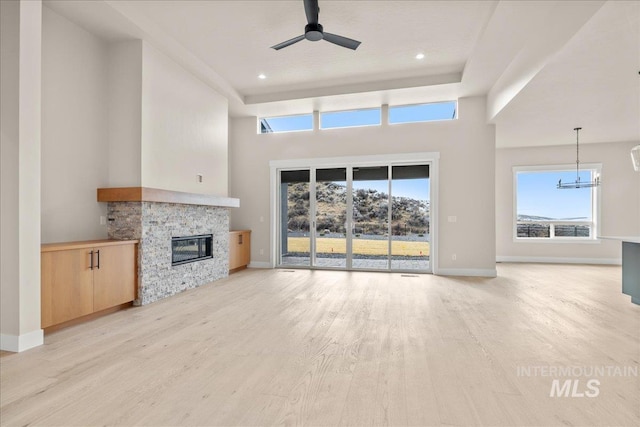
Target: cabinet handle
98	267
239	239
91	265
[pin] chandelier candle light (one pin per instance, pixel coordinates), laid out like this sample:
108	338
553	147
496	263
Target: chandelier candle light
578	184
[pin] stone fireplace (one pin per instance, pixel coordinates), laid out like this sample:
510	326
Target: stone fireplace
158	219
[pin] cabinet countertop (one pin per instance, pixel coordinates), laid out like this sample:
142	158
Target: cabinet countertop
239	231
62	246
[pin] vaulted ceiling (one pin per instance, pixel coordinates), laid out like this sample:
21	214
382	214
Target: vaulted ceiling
545	66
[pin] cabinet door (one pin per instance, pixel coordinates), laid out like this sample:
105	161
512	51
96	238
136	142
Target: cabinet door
245	248
66	286
234	251
114	278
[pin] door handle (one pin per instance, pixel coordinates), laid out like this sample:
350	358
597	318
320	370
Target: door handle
98	252
91	264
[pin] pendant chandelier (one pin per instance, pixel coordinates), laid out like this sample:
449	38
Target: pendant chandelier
577	183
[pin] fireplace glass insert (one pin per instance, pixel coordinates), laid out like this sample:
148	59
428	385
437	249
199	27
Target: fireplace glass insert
190	249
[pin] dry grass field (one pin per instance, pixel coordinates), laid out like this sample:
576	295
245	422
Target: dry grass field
360	246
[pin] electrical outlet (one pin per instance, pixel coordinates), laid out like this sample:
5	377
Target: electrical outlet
261	251
103	220
454	257
261	219
453	218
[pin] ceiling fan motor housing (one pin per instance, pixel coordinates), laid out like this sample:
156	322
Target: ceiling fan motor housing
313	32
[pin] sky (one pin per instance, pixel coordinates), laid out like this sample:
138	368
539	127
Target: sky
538	195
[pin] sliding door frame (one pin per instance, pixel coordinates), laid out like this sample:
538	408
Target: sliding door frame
389	160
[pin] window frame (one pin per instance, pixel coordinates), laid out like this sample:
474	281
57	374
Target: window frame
259	121
321	113
595	206
454	101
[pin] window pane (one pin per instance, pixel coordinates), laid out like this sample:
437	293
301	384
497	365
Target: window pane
343	119
572	230
286	123
423	112
538	198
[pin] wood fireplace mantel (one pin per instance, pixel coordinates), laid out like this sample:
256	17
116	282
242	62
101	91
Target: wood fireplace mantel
145	194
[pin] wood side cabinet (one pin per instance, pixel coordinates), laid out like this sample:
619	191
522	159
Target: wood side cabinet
239	250
81	278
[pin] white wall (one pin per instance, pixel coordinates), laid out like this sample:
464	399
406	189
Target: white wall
120	115
74	130
619	194
467	157
184	129
125	113
9	77
20	98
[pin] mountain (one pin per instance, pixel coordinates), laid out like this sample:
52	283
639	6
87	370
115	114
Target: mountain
546	218
370	210
533	218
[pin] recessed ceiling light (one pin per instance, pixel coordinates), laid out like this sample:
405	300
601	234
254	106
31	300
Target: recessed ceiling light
420	56
262	76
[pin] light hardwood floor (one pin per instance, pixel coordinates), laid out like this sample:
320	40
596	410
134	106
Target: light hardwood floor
329	348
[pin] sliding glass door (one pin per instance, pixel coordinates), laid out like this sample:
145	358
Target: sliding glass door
331	218
294	222
370	217
410	217
370	197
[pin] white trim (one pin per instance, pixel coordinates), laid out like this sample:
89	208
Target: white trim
259	264
434	180
18	343
273	217
468	272
373	160
561	240
559	260
556	167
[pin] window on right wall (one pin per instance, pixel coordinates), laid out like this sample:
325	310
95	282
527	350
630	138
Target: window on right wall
545	213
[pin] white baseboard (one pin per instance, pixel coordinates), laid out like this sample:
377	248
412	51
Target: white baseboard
18	343
471	272
259	264
557	260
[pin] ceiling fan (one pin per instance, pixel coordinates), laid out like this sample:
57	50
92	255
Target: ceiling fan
313	30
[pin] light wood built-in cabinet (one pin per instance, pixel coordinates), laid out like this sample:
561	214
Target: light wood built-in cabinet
239	250
82	278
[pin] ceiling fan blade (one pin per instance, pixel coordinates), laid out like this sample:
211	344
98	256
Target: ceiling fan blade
341	41
288	42
312	9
